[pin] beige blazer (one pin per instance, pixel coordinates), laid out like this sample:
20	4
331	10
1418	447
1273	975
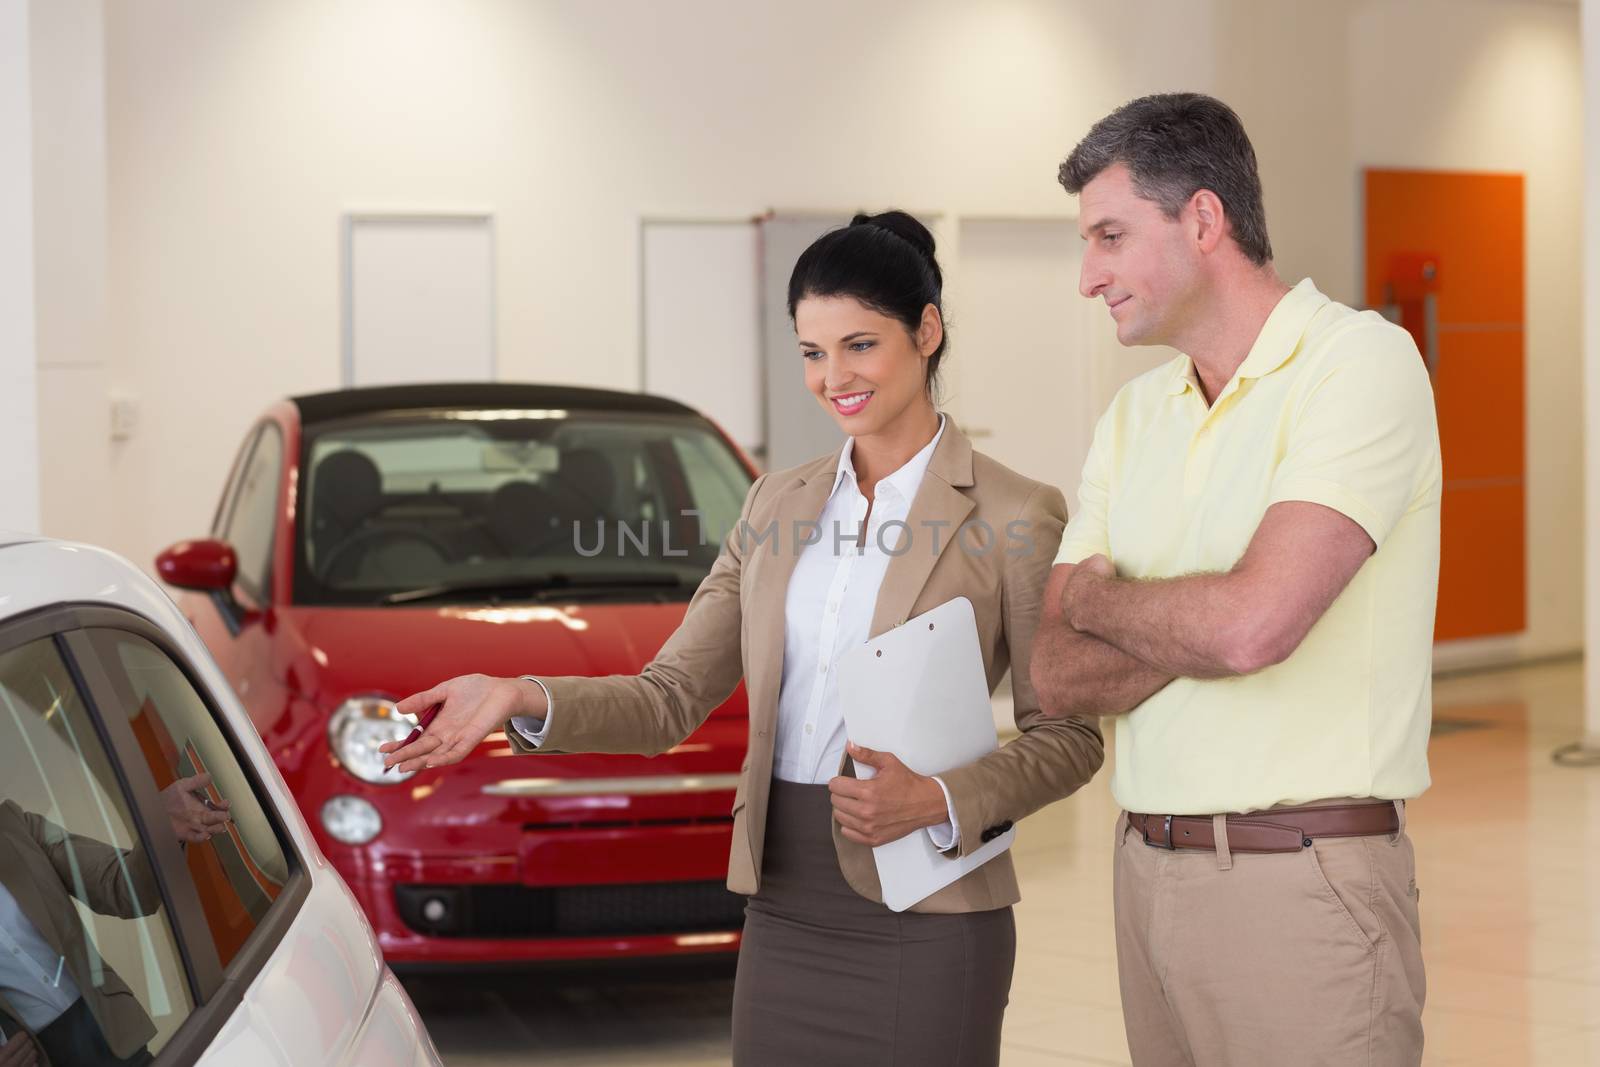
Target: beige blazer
734	628
37	866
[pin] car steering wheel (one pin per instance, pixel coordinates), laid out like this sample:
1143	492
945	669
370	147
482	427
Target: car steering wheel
364	539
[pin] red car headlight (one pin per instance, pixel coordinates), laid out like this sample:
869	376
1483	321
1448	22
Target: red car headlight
351	820
356	730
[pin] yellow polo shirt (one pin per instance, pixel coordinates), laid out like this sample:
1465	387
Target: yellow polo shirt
1331	406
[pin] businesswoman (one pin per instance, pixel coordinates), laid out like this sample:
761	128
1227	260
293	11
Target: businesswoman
827	555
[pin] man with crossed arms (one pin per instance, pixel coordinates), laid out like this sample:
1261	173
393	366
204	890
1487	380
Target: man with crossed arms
1248	584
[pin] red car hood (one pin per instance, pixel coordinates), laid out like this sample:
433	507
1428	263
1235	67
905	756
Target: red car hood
327	655
334	653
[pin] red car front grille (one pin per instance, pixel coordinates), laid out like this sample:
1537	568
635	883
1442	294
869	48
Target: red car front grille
514	911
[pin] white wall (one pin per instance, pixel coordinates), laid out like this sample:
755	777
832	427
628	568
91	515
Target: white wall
19	439
1499	87
69	182
1285	69
237	134
1591	365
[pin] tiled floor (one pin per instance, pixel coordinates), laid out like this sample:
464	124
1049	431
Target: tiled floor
1508	850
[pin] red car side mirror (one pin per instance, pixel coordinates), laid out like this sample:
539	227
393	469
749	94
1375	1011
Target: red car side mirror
204	565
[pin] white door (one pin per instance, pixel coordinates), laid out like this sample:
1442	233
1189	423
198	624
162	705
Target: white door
702	321
1019	378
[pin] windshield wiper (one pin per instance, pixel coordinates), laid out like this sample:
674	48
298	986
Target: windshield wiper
542	587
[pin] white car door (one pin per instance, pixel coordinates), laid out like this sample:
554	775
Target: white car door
237	946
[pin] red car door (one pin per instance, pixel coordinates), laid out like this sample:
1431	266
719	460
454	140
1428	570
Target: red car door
237	626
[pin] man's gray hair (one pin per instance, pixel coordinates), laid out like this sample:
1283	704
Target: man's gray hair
1174	145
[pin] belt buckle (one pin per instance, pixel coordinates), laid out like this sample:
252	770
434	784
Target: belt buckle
1166	826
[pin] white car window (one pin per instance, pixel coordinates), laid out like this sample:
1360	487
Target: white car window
239	868
89	967
473	505
717	486
255	513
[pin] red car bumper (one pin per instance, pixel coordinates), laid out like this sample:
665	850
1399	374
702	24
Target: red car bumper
461	875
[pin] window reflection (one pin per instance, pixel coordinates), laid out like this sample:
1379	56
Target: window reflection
89	969
239	868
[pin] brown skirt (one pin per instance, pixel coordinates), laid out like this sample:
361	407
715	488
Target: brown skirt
828	977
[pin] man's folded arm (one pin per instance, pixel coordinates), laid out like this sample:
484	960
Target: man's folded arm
1361	454
1076	673
1249	618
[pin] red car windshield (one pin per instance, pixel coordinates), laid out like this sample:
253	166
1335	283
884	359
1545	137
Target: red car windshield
475	505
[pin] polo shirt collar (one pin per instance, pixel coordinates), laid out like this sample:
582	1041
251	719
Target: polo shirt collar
1182	376
1278	340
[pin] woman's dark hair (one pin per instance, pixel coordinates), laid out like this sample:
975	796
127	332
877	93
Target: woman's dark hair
885	261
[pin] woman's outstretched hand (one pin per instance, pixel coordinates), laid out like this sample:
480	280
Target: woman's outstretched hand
472	707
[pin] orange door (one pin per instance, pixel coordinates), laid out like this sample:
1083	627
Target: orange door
1446	248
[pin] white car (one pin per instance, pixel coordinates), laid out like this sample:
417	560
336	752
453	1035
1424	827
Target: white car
161	898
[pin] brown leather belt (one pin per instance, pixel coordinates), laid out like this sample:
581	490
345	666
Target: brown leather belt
1277	830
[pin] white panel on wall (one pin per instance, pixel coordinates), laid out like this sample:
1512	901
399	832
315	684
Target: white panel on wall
70	239
19	394
419	299
702	321
1020	349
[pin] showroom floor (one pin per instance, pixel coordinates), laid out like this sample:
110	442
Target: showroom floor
1509	867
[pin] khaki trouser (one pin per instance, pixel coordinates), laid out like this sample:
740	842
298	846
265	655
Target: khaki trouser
1271	959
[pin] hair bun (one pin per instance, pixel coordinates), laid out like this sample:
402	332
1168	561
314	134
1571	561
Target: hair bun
885	263
904	226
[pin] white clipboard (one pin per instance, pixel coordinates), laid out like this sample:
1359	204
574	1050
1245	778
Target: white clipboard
920	692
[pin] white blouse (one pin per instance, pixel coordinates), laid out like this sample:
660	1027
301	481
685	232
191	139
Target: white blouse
828	610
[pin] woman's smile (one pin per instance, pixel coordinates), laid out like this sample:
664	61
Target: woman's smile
851	403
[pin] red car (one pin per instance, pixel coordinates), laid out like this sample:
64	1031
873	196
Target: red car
372	542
